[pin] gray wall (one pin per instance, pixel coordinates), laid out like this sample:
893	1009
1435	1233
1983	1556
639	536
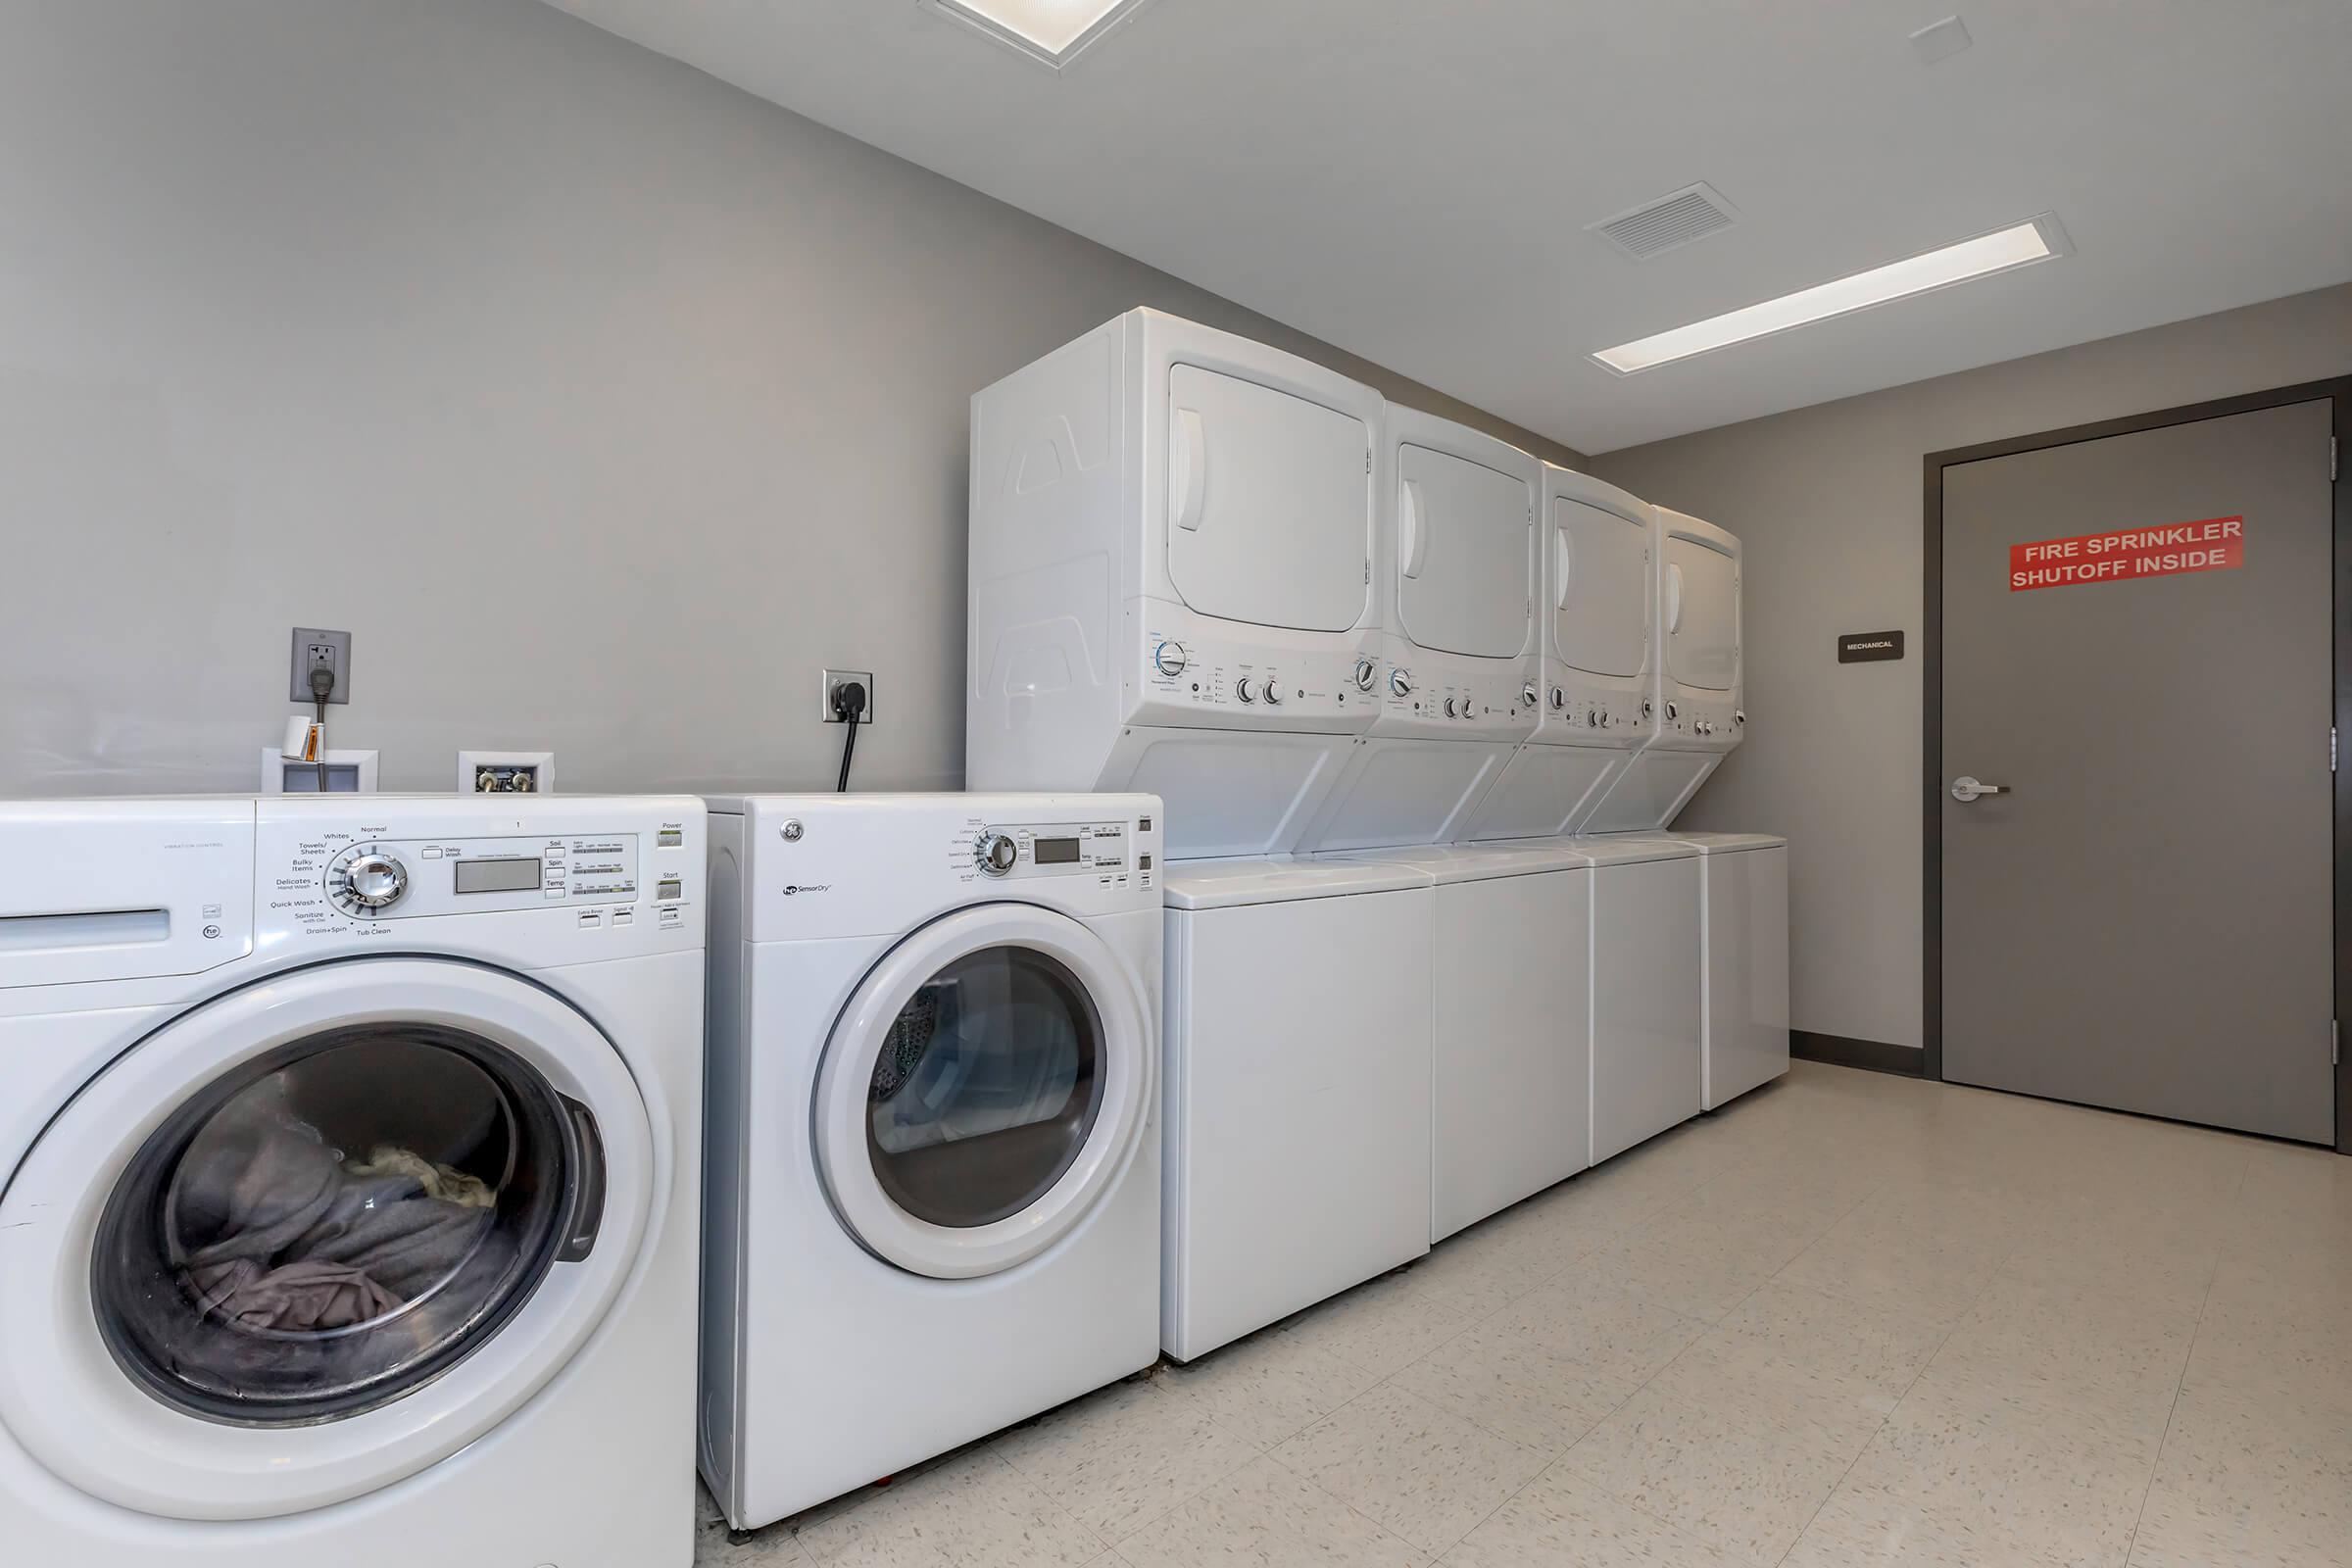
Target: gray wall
1826	500
602	403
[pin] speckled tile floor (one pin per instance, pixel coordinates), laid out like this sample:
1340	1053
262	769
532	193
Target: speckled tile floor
1849	1320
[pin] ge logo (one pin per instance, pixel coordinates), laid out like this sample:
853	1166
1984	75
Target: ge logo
793	831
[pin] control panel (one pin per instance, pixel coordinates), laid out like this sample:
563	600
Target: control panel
1440	696
1030	850
1701	724
396	879
1196	677
1596	713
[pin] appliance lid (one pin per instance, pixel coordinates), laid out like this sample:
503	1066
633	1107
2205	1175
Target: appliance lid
1277	879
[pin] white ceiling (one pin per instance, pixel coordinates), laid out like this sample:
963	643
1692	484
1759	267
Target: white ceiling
1410	178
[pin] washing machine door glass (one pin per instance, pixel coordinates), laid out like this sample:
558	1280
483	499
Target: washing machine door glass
325	1228
318	1234
985	1085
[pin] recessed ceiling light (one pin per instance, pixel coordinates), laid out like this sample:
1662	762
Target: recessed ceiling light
2038	239
1053	33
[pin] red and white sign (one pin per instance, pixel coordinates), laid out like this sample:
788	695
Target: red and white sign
2217	544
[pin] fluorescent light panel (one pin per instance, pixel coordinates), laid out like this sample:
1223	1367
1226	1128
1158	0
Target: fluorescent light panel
2038	239
1054	32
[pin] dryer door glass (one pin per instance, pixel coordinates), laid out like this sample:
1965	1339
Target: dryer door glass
338	1222
986	1088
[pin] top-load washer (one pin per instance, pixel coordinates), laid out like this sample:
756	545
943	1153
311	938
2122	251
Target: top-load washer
1700	715
1511	1064
1461	654
1648	1063
1297	1036
934	1173
1598	688
1171	579
349	1180
1744	941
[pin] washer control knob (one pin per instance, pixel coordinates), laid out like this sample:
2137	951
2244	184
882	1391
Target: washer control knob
1739	716
1364	673
374	880
1245	689
1592	720
996	852
1448	708
1401	684
1273	693
1170	659
1647	707
1527	694
1672	711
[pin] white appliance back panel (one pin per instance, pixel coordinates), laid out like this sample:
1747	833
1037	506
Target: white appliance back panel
1462	537
1599	589
1702	639
1269	504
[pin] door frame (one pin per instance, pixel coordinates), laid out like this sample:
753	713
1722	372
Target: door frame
2339	392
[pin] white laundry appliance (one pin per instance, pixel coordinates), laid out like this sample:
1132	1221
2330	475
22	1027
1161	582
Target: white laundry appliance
1700	716
1461	653
1744	933
1597	588
1170	579
1647	1062
351	1151
1510	1085
934	1157
1299	1056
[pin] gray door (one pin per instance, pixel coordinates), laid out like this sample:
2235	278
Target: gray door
2144	920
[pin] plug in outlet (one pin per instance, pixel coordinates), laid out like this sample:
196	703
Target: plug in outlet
837	678
314	649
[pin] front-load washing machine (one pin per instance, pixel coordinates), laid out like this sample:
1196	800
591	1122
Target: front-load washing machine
1510	1085
1743	936
934	1158
1299	1017
351	1152
1647	1064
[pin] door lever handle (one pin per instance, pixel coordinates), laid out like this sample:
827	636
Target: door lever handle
1965	789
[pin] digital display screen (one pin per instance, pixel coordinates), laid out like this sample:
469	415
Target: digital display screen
1056	852
497	876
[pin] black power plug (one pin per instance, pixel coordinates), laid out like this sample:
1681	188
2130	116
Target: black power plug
849	705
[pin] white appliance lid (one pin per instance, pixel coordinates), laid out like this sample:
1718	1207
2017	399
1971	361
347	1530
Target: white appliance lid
1276	879
1477	862
1625	849
1727	843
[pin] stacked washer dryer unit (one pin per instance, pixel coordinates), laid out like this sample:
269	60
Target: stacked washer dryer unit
1459	652
1172	536
934	1153
349	1158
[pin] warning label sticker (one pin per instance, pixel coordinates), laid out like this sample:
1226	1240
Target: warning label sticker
2215	544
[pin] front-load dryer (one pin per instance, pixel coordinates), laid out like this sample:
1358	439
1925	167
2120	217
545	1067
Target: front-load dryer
1700	716
1171	579
351	1155
1744	941
1597	593
934	1153
1453	563
1298	1016
1510	1081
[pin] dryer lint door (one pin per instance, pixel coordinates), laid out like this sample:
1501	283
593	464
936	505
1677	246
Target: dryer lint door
1599	590
1462	556
1269	504
1702	616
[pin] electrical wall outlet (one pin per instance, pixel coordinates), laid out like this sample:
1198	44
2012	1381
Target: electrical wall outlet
312	649
835	678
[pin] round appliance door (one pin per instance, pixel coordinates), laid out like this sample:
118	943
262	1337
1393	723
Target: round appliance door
316	1234
987	1082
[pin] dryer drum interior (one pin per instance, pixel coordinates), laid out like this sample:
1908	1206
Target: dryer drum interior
337	1224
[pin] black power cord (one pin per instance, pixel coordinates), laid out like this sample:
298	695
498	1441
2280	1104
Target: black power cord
849	705
323	682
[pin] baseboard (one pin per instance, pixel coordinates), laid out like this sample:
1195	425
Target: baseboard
1843	1051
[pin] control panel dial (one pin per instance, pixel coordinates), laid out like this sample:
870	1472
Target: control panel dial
1364	674
995	854
1170	659
1245	689
1401	684
1273	693
1527	694
1559	697
366	878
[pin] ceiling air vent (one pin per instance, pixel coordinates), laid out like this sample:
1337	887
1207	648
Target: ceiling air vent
1655	227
